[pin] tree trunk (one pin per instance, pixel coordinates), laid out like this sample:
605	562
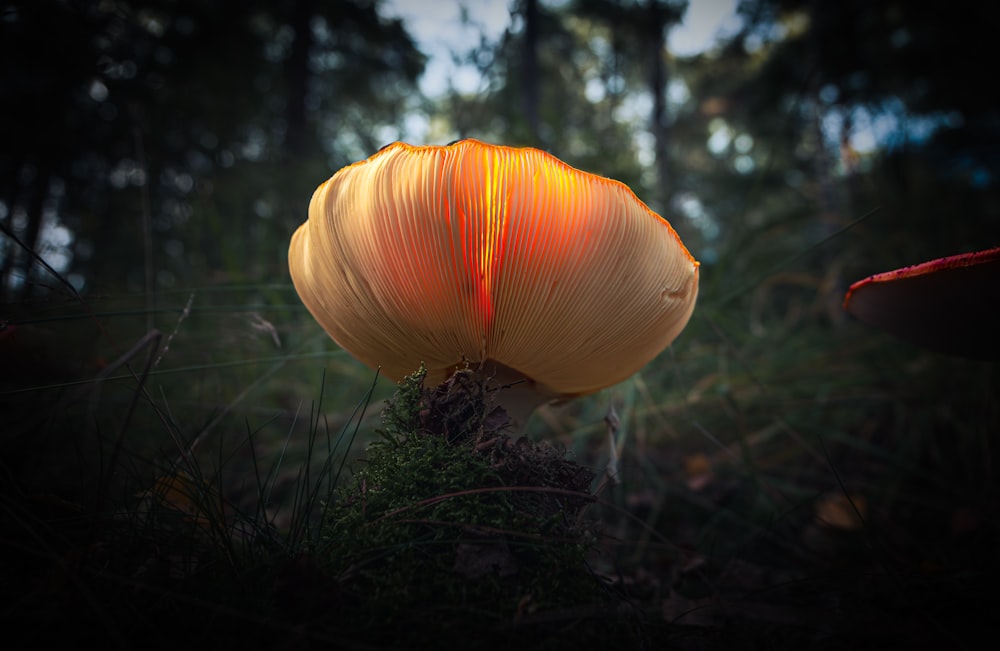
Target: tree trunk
656	43
297	78
529	70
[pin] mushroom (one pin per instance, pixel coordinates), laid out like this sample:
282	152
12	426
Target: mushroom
950	305
549	281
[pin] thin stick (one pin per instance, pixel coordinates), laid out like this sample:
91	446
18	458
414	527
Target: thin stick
613	422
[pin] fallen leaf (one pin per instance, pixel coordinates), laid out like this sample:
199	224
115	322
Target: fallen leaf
841	511
698	470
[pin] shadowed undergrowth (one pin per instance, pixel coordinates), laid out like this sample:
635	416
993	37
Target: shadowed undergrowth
786	481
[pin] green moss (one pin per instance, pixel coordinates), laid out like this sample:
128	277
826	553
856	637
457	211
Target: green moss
451	527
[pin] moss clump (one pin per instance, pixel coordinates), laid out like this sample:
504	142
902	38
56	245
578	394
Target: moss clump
451	529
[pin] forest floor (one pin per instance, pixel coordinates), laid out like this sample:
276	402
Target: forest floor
830	496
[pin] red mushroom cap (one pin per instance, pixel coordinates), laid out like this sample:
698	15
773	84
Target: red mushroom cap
951	305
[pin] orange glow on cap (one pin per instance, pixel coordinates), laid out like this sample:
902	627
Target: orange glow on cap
474	252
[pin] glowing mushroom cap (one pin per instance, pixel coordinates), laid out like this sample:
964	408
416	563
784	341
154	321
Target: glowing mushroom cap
950	305
499	257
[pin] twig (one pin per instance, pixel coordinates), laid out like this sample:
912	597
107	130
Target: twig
177	326
613	423
40	260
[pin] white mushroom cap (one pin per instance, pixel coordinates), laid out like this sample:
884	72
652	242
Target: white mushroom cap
495	256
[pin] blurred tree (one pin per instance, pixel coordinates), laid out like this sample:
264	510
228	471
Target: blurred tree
768	159
917	53
639	39
178	141
908	72
529	67
175	139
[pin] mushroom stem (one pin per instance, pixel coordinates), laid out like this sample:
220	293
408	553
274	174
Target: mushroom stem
518	394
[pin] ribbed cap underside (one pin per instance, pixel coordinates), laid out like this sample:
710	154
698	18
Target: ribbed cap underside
476	252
